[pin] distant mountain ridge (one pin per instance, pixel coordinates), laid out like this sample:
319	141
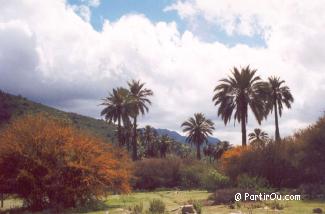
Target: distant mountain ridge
180	138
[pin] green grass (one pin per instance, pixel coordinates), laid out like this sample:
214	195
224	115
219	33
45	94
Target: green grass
118	204
174	199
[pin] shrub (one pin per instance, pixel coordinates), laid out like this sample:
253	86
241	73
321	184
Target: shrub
46	162
214	180
312	191
157	173
275	204
197	205
157	206
226	196
193	175
271	162
174	172
251	182
137	209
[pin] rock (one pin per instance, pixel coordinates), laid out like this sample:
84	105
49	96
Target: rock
317	210
187	209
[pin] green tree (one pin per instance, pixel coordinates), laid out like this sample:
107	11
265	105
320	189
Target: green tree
258	137
236	94
198	128
164	145
150	141
140	100
221	148
117	108
279	96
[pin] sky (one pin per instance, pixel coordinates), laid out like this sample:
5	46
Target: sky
69	54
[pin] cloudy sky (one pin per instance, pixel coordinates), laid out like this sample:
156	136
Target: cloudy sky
70	54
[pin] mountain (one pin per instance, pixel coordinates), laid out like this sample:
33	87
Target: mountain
180	138
12	106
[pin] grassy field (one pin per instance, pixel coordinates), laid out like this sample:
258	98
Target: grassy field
175	199
119	204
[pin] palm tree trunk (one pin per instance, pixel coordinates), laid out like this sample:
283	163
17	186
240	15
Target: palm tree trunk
198	152
119	139
277	132
134	141
243	130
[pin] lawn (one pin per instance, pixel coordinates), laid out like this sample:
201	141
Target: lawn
118	204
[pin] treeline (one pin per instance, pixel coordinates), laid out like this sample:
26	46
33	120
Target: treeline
294	161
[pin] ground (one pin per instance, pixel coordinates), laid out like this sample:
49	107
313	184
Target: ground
117	204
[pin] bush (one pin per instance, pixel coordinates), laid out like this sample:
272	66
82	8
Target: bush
214	180
174	172
275	204
272	162
250	182
48	163
197	205
157	173
157	206
137	209
312	191
227	196
193	175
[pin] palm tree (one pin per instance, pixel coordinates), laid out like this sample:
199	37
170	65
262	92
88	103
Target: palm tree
279	95
258	137
150	140
140	101
117	108
198	129
164	145
236	94
222	147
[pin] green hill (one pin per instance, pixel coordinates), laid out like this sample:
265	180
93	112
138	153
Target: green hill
12	106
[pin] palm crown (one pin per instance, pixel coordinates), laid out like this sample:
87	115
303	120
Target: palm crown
198	129
238	92
140	102
279	96
117	107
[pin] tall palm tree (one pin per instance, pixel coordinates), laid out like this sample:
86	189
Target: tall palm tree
279	96
117	107
258	137
236	94
198	128
140	103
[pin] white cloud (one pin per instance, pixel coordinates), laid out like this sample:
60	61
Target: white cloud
83	11
50	54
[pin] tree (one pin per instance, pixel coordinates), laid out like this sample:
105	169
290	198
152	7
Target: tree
150	140
238	92
222	147
48	163
140	102
164	145
117	107
258	137
279	95
198	128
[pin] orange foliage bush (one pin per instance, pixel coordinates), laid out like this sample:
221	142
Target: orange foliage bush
232	155
48	163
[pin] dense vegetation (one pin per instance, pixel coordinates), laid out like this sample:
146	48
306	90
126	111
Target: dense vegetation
48	163
42	158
